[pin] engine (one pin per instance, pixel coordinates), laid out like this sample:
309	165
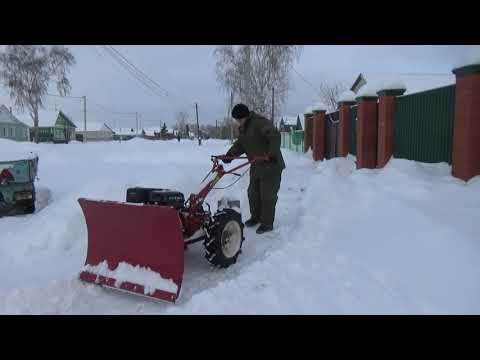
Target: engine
161	197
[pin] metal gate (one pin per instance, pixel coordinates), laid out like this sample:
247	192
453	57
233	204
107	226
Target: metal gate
331	128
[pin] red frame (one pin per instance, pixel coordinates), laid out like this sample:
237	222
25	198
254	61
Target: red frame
195	216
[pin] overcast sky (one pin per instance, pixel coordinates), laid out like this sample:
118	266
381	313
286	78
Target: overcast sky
187	73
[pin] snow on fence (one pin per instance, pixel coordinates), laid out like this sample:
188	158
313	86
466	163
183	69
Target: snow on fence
431	126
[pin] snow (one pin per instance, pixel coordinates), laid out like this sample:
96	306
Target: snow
347	96
368	90
150	280
319	106
6	155
398	240
309	110
413	83
394	84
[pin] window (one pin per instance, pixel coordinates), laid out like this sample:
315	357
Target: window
4	132
11	132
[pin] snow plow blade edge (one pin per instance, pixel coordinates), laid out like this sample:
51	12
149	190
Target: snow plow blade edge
137	249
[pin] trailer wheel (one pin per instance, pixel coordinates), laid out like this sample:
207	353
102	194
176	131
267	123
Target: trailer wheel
225	239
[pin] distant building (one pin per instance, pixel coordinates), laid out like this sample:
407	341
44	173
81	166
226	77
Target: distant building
12	128
95	132
57	127
124	133
290	123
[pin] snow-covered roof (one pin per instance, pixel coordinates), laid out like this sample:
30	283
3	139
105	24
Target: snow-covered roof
93	126
6	117
48	118
290	120
126	131
412	82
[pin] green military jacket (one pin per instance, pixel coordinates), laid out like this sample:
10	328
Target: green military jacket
258	137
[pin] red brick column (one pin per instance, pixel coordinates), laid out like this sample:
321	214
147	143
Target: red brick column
367	132
343	132
386	118
308	132
318	135
466	127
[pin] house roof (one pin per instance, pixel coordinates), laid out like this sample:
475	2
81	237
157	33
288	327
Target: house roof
46	118
412	82
6	117
93	126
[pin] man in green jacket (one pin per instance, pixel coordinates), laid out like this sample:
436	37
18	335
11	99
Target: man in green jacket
259	137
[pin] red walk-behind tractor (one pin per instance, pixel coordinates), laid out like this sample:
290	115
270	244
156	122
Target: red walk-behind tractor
138	246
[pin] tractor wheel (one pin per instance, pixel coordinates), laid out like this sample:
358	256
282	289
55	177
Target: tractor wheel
225	238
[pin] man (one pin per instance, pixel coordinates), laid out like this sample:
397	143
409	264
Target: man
258	137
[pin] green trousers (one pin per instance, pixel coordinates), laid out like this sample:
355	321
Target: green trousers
262	195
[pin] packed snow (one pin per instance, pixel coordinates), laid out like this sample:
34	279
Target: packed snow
398	240
150	280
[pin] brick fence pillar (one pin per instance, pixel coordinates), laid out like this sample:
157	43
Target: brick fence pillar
466	126
319	134
367	132
386	119
308	132
344	126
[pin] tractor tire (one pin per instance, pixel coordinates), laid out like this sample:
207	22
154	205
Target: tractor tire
225	238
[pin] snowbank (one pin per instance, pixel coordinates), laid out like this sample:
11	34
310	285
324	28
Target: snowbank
150	280
398	240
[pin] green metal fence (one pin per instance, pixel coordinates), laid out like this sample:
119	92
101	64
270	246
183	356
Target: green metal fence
424	125
353	131
292	140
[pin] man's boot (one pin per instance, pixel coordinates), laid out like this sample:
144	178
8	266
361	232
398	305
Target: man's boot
264	228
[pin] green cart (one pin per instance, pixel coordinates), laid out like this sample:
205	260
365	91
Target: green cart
17	183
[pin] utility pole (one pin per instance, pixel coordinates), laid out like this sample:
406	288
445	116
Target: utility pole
136	119
231	118
198	126
273	105
85	118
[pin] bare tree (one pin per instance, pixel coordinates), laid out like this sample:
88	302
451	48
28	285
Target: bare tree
251	71
329	94
28	71
181	118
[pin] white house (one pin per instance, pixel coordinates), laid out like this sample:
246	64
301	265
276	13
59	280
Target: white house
95	132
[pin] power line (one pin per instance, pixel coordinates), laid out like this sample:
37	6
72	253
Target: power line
307	82
131	71
139	71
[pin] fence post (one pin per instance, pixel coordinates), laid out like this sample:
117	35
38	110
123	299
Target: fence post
386	118
343	134
308	133
466	126
318	145
367	132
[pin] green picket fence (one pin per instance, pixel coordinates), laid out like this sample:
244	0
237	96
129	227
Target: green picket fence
292	140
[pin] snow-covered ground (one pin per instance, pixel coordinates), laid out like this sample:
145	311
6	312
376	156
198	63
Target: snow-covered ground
404	239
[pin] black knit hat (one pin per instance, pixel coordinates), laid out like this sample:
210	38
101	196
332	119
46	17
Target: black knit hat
240	111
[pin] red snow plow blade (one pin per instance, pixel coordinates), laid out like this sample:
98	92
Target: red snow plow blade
138	249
